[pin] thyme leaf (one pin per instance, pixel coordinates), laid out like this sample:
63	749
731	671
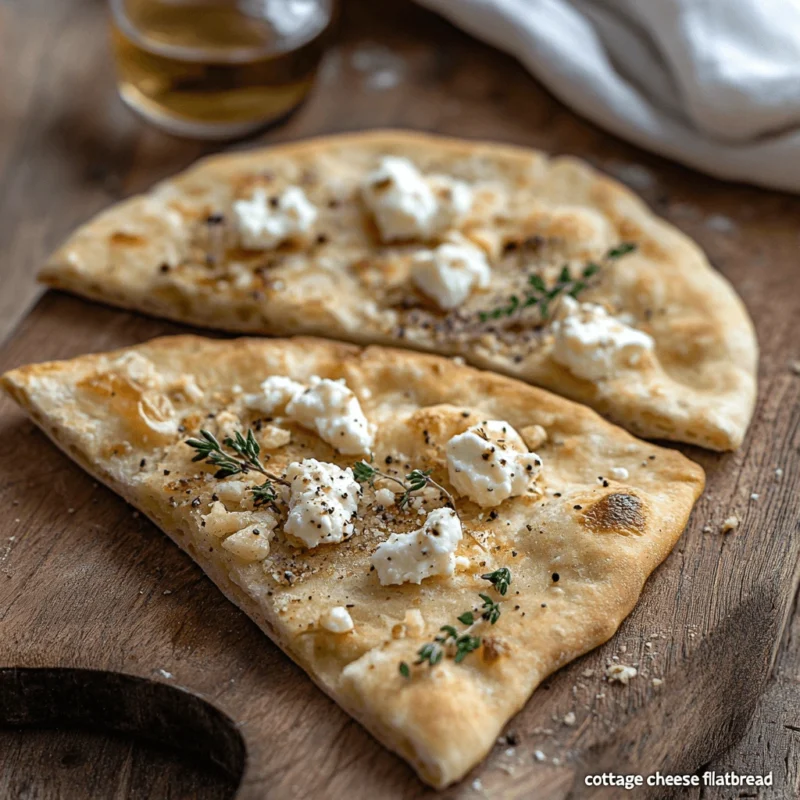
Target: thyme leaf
460	643
500	579
432	653
415	481
243	458
539	296
490	611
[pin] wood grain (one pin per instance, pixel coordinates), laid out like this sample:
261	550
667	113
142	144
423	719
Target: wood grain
99	588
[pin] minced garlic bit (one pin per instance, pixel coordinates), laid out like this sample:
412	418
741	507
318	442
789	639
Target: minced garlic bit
251	543
593	345
271	437
449	273
265	222
619	473
246	534
489	463
336	620
413	625
620	673
424	553
323	502
232	493
409	205
534	436
220	522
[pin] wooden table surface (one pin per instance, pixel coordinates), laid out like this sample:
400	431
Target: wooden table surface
68	148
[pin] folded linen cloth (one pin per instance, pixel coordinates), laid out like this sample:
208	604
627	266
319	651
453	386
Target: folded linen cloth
714	84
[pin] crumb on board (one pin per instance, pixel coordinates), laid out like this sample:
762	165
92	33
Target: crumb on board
621	673
730	524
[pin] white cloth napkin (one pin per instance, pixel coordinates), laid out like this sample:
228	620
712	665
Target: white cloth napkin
711	83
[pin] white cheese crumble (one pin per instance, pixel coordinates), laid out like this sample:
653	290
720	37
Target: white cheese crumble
489	463
276	392
323	501
332	410
449	273
265	222
336	620
619	473
384	497
424	553
407	205
593	345
620	673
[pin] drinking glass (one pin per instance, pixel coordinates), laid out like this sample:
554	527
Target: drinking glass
217	69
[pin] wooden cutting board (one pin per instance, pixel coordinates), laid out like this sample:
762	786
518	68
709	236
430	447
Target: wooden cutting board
105	624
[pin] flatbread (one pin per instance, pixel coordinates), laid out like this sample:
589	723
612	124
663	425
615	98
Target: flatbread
157	253
579	547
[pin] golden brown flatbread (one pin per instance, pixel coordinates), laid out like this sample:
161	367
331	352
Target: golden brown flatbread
324	237
597	512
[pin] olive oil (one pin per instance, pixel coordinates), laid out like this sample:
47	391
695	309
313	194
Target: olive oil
217	69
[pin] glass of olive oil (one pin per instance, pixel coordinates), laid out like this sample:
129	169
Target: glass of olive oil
217	69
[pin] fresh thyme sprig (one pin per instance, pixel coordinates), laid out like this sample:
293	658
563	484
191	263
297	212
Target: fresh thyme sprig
415	481
245	458
539	296
462	643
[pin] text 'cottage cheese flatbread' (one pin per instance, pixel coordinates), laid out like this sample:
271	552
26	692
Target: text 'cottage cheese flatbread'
538	268
426	540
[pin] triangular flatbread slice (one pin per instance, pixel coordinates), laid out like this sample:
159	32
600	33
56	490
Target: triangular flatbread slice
455	247
544	566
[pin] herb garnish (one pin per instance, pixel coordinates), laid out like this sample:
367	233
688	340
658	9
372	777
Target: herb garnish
540	297
245	458
500	579
414	482
462	643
